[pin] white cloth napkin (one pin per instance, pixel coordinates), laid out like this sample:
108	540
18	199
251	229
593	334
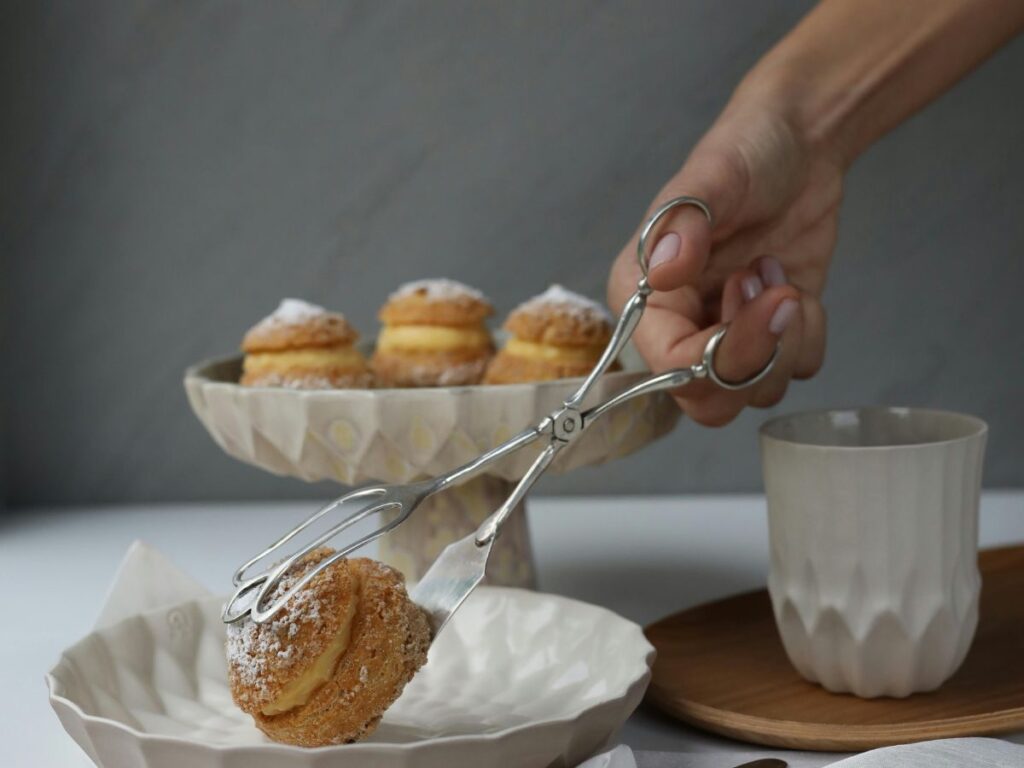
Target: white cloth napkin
147	580
941	753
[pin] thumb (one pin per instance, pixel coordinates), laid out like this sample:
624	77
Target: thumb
681	244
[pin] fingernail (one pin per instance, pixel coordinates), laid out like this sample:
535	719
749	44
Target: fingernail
751	287
783	316
666	250
772	272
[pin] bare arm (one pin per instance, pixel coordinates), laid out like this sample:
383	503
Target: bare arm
852	70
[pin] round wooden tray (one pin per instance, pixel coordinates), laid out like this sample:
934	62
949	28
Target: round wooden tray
721	667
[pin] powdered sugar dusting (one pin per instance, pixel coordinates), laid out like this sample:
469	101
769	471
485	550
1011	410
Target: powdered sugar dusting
566	300
249	645
462	373
451	375
439	289
291	312
294	382
354	380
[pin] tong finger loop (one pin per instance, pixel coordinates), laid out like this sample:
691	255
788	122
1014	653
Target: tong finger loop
706	368
657	216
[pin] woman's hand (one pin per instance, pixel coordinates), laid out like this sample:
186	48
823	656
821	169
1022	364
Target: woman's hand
771	170
761	267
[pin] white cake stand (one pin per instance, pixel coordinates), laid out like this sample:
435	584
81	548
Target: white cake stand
397	435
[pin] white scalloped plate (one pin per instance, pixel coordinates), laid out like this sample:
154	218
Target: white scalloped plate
518	679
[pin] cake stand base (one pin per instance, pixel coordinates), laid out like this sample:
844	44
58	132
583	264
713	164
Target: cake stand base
453	514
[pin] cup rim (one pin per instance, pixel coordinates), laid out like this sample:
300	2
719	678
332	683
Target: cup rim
974	427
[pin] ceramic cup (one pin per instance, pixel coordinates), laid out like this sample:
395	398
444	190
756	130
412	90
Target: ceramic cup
873	523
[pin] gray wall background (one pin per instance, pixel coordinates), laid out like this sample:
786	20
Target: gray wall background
172	169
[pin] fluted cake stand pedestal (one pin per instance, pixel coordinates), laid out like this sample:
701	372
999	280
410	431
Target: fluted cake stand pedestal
398	435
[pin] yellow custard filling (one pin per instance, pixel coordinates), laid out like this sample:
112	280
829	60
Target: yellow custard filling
326	357
299	690
532	350
433	338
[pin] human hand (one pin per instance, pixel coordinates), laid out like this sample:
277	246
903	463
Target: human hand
761	267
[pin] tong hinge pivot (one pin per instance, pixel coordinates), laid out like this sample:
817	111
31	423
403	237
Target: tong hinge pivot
566	424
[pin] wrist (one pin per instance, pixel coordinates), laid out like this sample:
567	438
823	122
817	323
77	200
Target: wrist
802	103
852	70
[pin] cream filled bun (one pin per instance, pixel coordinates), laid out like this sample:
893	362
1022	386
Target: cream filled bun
434	335
325	668
303	346
558	334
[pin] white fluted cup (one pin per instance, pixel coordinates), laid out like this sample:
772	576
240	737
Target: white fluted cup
873	523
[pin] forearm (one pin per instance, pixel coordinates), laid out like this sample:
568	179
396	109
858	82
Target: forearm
854	69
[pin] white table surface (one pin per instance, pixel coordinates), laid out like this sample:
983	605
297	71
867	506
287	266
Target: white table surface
641	557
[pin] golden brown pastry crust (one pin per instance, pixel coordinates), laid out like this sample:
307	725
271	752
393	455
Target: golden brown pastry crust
327	330
418	308
506	368
559	325
429	369
389	640
303	346
434	304
556	321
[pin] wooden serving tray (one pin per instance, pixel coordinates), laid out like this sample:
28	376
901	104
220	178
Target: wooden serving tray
721	667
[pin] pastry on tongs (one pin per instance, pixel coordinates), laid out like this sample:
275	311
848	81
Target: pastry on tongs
336	656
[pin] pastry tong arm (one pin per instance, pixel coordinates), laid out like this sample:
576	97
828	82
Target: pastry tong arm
253	593
461	565
565	424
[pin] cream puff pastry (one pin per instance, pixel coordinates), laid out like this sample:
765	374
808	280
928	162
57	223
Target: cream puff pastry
324	669
303	346
558	334
434	335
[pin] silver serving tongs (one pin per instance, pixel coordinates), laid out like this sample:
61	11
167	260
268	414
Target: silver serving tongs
460	567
